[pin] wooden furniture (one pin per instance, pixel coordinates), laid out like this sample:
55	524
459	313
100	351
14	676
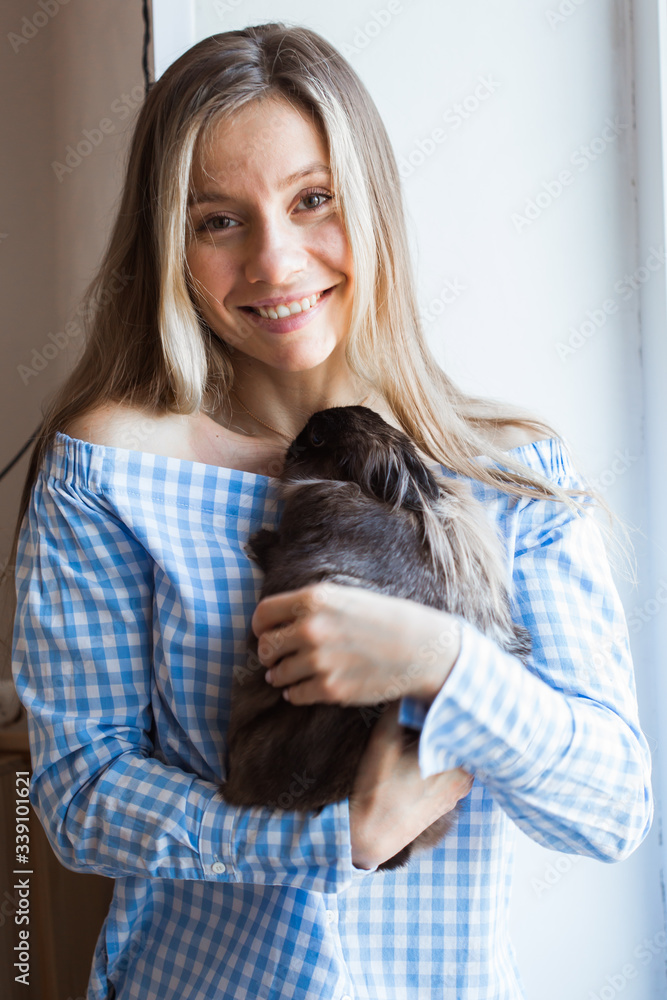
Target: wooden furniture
67	908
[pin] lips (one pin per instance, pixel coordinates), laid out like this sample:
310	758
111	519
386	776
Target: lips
255	309
286	324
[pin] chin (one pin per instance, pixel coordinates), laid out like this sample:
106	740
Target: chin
298	357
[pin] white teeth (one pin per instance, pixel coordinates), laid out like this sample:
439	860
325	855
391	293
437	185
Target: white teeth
288	308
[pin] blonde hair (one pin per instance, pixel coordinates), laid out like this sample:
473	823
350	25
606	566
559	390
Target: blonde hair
147	343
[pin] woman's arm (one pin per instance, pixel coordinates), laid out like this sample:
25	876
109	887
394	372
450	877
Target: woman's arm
558	743
82	664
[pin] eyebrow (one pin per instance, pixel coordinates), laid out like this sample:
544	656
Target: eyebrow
210	194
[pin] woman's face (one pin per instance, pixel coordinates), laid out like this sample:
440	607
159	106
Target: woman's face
265	229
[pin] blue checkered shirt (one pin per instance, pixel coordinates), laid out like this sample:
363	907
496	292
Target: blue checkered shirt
134	599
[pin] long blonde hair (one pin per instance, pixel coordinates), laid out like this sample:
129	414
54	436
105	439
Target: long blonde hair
147	343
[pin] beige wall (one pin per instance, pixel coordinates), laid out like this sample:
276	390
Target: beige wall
78	67
57	79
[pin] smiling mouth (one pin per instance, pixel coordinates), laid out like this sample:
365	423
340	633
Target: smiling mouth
284	311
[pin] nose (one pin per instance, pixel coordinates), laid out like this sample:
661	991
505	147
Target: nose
275	252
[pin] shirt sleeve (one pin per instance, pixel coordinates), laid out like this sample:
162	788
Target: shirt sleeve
82	664
557	742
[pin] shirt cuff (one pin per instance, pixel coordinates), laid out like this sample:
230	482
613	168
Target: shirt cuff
278	847
492	716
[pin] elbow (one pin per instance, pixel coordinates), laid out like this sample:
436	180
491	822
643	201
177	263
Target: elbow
54	824
626	828
50	821
625	808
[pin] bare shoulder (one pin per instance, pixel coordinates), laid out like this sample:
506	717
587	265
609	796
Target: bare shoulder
192	437
120	425
514	435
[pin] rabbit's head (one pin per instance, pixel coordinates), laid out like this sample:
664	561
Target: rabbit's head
354	444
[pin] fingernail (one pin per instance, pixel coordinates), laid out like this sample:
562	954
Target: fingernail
269	676
286	694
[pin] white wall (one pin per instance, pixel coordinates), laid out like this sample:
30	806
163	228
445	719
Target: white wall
509	297
650	21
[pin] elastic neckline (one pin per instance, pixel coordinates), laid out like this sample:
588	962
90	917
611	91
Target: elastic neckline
218	469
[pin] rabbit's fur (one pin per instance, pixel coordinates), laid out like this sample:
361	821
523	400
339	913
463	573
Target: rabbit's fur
361	509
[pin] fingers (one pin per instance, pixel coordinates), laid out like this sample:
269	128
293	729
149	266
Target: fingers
307	693
465	787
284	607
454	784
285	638
276	644
274	610
302	683
290	670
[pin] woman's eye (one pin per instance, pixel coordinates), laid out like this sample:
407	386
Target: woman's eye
316	194
208	224
223	223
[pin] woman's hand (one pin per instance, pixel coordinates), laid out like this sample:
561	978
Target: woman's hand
391	803
351	646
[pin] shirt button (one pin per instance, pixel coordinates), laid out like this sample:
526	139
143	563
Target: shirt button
331	916
346	997
217	867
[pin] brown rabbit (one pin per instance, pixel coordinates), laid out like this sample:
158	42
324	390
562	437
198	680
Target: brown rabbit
361	509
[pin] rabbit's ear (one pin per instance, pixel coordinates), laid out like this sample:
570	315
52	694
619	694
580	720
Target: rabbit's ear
398	477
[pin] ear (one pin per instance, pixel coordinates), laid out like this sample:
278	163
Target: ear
397	476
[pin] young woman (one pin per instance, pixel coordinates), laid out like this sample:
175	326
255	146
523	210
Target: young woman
261	231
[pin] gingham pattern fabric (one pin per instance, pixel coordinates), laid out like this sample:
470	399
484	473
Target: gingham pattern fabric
134	599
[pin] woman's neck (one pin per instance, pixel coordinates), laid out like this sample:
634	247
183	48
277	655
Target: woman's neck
276	417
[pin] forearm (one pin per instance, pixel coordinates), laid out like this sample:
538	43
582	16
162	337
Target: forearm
118	812
570	771
83	661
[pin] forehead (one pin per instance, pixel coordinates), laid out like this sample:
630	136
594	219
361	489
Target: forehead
268	138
